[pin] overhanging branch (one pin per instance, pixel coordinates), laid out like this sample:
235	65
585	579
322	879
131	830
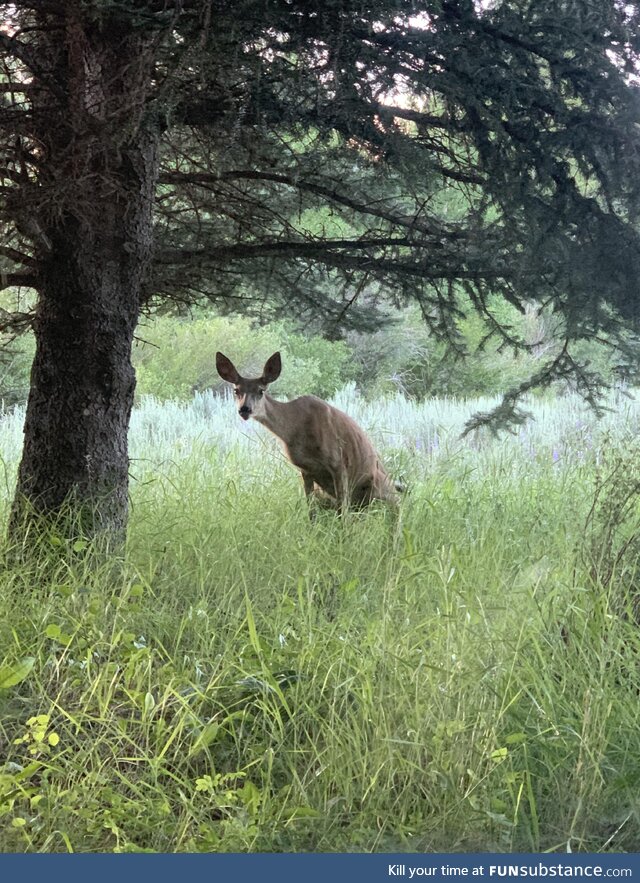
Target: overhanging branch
413	222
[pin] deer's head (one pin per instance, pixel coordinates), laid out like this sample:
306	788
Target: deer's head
249	393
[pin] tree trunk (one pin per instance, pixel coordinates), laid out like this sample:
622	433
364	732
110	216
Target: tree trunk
98	175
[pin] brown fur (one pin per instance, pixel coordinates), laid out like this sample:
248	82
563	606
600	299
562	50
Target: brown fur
331	451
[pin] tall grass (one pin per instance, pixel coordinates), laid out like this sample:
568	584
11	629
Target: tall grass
455	677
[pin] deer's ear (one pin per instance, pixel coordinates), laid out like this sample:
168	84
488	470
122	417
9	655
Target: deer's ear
226	369
272	369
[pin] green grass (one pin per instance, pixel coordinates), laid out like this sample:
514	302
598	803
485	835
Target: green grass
454	678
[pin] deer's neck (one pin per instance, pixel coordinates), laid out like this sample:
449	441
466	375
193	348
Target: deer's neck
275	418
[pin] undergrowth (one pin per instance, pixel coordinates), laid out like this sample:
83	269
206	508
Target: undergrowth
456	677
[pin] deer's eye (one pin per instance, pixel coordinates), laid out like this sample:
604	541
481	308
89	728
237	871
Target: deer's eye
260	392
237	393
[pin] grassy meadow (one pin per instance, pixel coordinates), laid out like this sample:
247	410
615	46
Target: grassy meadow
461	676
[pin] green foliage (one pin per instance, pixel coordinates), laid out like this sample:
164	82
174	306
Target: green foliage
175	357
178	357
612	529
404	355
301	182
11	675
457	678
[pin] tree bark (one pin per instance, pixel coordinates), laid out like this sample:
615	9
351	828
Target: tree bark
96	188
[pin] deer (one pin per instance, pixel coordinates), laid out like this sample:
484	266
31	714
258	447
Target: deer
337	462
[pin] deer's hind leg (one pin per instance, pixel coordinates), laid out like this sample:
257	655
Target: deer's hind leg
309	493
308	483
363	494
316	497
342	490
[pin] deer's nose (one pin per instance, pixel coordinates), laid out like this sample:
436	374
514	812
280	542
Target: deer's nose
245	412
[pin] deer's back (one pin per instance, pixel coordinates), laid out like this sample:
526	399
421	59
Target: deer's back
325	442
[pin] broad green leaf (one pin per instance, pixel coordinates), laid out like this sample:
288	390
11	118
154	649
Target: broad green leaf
301	812
207	737
10	675
149	703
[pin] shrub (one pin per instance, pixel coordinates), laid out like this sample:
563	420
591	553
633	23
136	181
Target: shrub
405	355
177	356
